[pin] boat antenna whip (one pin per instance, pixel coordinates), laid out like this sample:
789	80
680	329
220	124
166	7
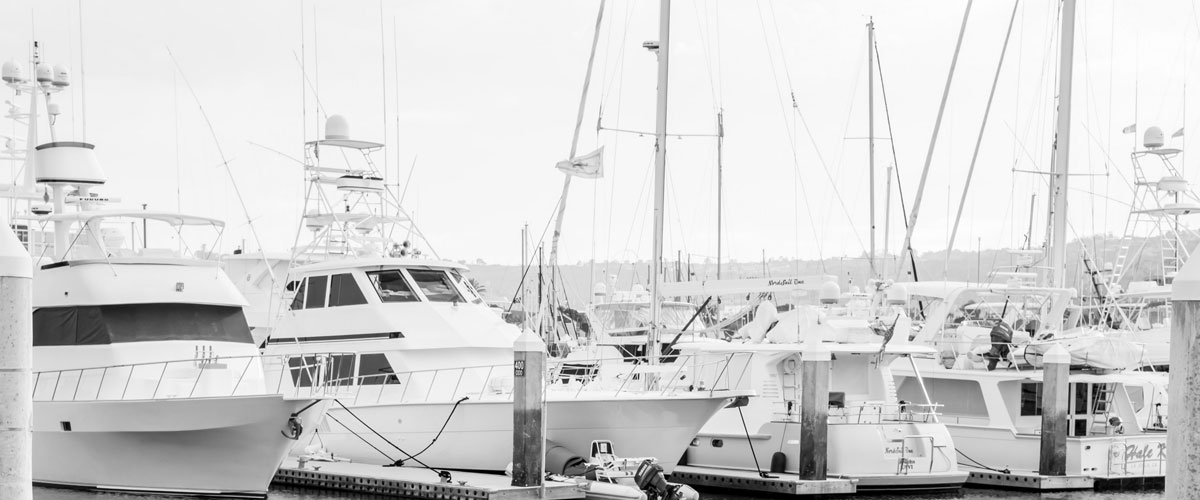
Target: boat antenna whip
236	191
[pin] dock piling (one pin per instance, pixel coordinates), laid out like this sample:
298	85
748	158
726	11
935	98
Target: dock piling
16	366
529	373
814	412
1056	367
1183	435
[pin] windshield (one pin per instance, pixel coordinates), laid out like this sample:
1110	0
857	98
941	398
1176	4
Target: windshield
391	286
436	285
633	318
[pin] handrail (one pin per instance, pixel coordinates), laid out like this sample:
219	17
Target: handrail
194	378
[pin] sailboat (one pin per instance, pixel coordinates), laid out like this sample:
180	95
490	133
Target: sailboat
145	376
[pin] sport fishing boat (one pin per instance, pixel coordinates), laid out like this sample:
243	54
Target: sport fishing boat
987	376
145	376
883	441
431	365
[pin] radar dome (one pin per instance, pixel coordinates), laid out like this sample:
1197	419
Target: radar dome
830	292
11	72
44	74
1153	138
336	127
897	295
62	77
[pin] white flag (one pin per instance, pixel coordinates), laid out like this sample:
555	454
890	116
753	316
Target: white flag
588	166
1178	133
1130	129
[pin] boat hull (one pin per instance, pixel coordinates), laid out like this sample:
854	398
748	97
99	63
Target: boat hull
478	436
216	447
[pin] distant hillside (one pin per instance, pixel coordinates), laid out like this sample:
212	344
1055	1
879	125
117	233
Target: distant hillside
502	281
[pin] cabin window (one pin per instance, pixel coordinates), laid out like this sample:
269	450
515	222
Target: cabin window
436	285
344	291
1081	399
315	297
466	285
1137	396
962	398
392	287
1031	399
117	323
298	299
374	369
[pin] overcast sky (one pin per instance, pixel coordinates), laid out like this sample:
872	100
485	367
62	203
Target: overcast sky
481	97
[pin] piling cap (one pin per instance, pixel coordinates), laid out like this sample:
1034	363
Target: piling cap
14	260
529	342
1186	285
1057	355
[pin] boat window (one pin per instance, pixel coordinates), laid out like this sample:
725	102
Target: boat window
298	299
392	287
436	286
111	324
315	298
1137	396
344	291
962	398
467	287
1031	399
1081	399
374	369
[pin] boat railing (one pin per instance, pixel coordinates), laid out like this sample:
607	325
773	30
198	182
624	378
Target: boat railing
300	376
867	412
566	379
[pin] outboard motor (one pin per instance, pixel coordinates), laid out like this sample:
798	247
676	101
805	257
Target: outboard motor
649	478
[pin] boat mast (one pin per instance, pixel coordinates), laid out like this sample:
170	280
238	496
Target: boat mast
871	133
1062	141
660	175
720	185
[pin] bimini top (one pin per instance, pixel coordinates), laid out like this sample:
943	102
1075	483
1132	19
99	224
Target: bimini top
172	218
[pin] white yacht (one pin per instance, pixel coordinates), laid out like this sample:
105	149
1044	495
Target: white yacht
884	441
989	383
432	365
145	377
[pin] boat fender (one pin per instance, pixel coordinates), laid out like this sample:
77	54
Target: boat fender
293	428
778	462
560	460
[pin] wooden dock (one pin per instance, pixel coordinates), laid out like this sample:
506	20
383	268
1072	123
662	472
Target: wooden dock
785	484
413	482
1029	481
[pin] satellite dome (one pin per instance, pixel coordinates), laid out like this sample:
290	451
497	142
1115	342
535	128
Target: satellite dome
44	74
830	292
1153	138
897	295
336	127
62	77
11	72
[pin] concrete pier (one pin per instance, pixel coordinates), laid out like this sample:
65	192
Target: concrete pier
529	374
1056	367
1183	433
16	365
814	412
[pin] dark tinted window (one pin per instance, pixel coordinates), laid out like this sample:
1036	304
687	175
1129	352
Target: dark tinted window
315	297
392	287
94	325
374	369
298	299
1031	399
436	286
344	291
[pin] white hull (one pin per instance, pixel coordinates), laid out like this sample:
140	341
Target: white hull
1101	457
479	435
229	447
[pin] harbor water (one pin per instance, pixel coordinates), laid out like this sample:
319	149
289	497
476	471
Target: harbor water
964	494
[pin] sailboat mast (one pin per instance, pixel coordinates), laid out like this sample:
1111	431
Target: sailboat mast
720	185
871	133
660	176
1062	141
